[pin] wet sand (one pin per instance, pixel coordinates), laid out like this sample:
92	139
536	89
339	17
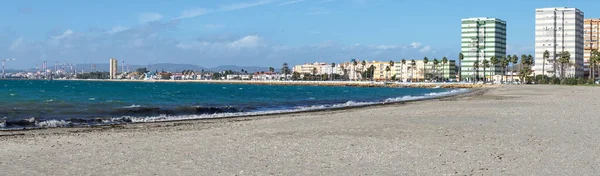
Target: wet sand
511	130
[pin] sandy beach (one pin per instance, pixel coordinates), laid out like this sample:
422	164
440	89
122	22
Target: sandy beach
510	130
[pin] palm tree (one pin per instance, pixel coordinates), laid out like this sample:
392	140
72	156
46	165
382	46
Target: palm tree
401	69
504	64
523	58
494	61
460	57
526	62
372	67
391	66
565	56
387	69
363	63
354	63
271	69
285	69
514	61
314	72
546	55
444	62
530	59
485	65
425	61
435	63
332	67
476	68
414	64
594	59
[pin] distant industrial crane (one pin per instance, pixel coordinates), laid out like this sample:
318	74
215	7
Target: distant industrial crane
4	60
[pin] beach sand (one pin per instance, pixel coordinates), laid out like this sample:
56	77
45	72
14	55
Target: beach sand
511	130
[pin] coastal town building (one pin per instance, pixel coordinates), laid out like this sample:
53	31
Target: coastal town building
591	30
380	72
320	68
239	77
354	71
481	38
113	68
310	68
420	71
268	76
557	30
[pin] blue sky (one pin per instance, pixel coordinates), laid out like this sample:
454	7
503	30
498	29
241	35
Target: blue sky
253	32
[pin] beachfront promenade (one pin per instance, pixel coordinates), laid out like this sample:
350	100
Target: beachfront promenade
510	130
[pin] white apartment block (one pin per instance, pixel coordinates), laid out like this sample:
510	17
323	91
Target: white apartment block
557	30
481	39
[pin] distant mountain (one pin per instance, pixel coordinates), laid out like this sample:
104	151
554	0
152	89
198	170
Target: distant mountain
174	67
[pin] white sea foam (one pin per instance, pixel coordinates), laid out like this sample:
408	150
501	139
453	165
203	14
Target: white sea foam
133	106
52	123
295	109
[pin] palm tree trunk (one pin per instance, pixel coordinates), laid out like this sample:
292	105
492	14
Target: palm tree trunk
544	67
592	74
512	73
491	76
502	72
402	72
484	80
589	71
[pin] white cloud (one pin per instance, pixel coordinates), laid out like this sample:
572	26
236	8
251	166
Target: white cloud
117	29
16	44
386	47
244	5
192	45
149	17
251	41
247	42
425	49
64	34
415	44
193	13
291	2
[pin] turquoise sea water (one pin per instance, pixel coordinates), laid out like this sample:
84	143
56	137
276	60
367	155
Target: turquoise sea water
39	103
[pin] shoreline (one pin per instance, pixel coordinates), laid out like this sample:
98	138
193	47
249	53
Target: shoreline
181	118
308	83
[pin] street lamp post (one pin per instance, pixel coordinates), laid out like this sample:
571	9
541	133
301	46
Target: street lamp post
3	74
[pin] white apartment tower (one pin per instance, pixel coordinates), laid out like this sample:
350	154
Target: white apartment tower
113	68
557	30
481	39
